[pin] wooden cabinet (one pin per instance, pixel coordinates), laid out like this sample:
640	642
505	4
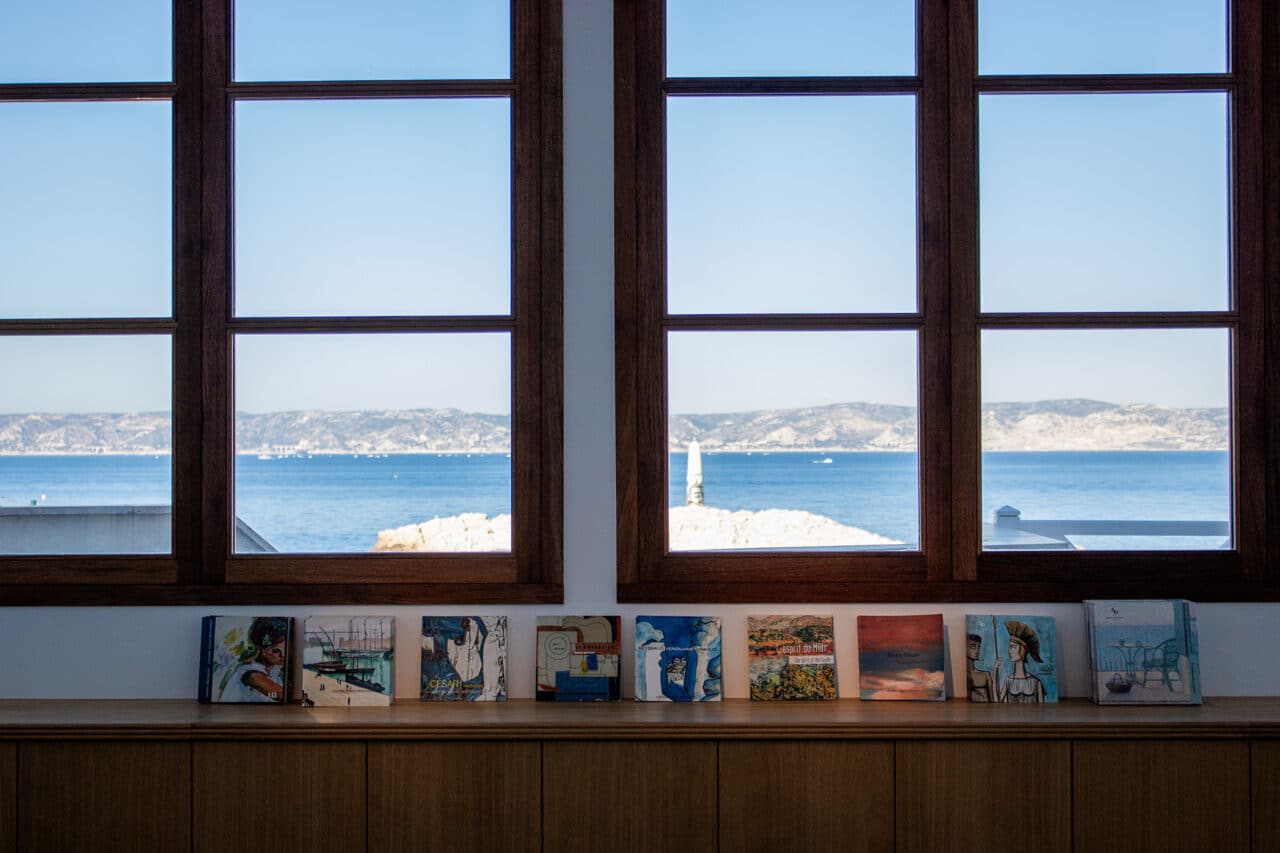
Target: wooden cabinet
455	796
264	797
8	797
1266	795
984	796
1161	796
90	797
814	796
643	796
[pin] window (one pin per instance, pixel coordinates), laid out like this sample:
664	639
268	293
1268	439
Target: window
281	281
941	301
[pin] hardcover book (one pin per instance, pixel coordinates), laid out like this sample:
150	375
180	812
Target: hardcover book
1143	652
791	657
244	659
677	658
579	658
901	657
348	661
1011	658
464	658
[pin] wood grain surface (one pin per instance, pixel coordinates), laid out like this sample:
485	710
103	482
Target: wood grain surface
455	796
1168	797
1266	795
269	797
8	797
104	796
984	796
654	796
825	795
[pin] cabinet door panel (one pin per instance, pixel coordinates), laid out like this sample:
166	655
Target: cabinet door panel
8	798
984	796
648	795
455	796
104	796
266	796
806	796
1161	796
1266	795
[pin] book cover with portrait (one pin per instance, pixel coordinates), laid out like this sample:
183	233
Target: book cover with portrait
245	659
1011	659
464	659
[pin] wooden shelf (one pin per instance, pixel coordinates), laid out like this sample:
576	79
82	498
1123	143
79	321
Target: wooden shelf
734	719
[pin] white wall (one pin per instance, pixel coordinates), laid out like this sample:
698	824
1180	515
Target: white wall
127	652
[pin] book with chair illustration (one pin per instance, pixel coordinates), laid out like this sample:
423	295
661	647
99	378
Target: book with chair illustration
1143	652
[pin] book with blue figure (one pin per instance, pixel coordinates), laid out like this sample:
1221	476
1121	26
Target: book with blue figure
1143	652
464	659
579	658
1011	659
677	658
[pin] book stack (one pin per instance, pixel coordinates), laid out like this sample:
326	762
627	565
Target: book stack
1143	652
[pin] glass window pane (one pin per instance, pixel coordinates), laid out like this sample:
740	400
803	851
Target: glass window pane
357	443
802	204
373	207
761	38
1102	36
1128	428
86	41
86	210
1111	202
385	40
85	445
800	445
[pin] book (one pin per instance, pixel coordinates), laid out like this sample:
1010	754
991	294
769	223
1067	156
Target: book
348	661
244	659
464	659
901	657
1143	652
1011	659
791	658
579	658
677	658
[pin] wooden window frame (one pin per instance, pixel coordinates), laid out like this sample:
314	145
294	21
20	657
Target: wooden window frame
950	564
202	569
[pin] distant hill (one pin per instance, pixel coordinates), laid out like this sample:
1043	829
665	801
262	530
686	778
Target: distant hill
1043	425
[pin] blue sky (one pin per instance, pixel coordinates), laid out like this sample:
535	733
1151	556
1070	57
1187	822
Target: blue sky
1096	202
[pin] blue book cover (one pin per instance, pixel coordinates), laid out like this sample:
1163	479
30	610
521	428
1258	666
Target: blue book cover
579	658
1144	652
1011	659
464	659
677	658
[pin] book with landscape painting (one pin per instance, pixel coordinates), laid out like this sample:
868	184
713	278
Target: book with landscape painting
348	661
791	657
579	658
1143	652
464	659
1011	659
901	657
677	658
244	659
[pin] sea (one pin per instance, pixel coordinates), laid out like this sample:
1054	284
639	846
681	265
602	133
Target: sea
338	503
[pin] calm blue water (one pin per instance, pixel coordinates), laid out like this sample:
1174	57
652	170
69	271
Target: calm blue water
339	503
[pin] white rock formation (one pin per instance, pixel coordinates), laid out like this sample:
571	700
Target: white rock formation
470	531
695	528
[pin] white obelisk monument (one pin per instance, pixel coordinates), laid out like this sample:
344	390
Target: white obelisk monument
693	476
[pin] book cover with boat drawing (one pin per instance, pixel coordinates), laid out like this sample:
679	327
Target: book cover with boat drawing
464	659
1143	652
244	659
677	658
1011	659
579	658
901	657
348	661
791	657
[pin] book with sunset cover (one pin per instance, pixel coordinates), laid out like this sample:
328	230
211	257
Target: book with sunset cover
901	657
